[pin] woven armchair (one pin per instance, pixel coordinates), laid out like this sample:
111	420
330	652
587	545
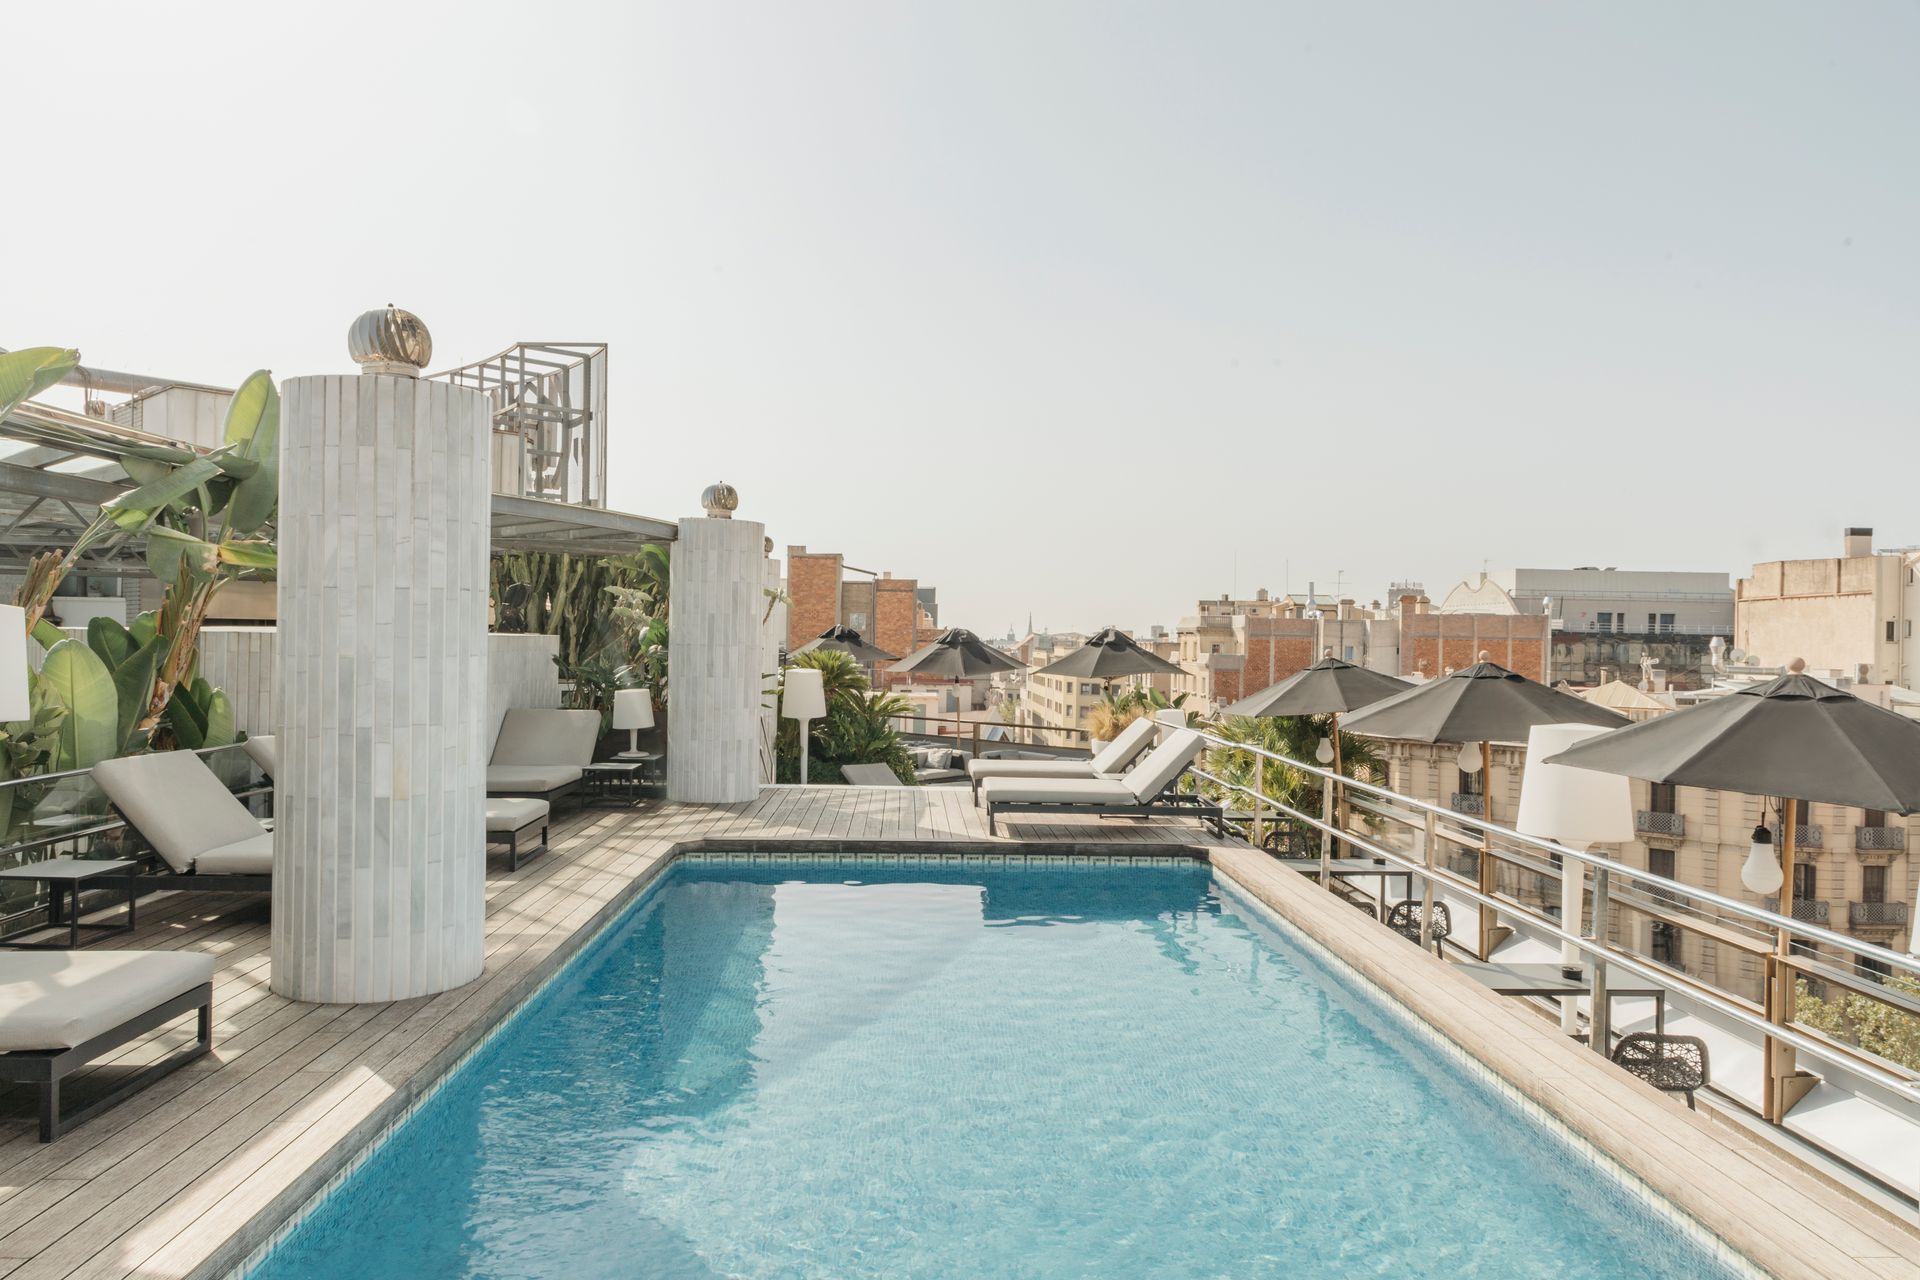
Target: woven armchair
1404	919
1672	1064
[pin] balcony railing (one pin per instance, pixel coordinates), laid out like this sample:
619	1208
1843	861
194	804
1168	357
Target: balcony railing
1872	914
1465	802
1894	838
1660	824
1804	837
1811	910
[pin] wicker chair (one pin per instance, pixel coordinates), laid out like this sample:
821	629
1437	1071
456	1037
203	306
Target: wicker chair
1404	919
1672	1064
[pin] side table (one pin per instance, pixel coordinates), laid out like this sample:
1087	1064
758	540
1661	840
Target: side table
64	878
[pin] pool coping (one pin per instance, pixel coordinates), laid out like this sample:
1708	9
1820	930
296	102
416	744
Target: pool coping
1796	1225
1783	1219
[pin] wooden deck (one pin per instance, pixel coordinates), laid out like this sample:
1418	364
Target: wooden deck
187	1177
190	1177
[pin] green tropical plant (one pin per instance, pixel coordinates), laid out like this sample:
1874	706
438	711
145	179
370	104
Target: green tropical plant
1119	709
1295	737
25	374
1874	1025
859	726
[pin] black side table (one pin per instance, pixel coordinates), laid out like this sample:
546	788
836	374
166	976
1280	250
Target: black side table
65	877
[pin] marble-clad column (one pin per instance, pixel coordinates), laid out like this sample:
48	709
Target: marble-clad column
379	850
716	681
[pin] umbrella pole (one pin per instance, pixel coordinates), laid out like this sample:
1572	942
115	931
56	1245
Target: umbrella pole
1339	788
1786	1084
1485	876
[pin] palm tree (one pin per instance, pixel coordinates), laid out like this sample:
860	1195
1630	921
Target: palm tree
1296	738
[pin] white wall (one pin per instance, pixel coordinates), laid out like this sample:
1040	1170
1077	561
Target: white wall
520	673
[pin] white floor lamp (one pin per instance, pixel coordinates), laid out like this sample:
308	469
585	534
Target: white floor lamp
803	698
1577	808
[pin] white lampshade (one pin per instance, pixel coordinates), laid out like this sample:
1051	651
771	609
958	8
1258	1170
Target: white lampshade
633	709
1761	872
1324	752
1469	757
15	702
1577	807
802	696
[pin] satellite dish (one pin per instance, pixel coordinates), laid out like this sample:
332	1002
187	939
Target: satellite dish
1738	655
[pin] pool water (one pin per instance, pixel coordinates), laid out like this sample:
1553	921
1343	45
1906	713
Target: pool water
848	1070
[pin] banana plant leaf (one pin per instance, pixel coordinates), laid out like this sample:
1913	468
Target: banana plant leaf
31	370
168	549
201	716
249	555
133	666
253	432
137	508
81	683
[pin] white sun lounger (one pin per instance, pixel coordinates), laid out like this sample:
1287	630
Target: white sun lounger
264	749
60	1010
870	775
200	829
1108	762
1144	792
541	752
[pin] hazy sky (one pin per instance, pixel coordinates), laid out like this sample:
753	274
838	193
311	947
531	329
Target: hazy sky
1079	309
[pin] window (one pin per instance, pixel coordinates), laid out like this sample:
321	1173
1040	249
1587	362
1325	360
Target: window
1605	621
1878	970
1661	799
1660	861
1473	784
1666	624
1806	887
1873	884
1873	818
1653	623
1348	655
1890	633
1666	944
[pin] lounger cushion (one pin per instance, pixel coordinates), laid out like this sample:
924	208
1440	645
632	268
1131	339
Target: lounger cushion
1163	765
1118	754
59	999
536	736
265	750
530	777
1031	769
507	813
250	857
1057	791
176	802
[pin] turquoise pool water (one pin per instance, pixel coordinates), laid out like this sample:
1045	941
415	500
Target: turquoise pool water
852	1070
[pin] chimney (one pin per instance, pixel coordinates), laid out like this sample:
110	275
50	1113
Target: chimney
1261	594
1408	606
1346	609
1856	543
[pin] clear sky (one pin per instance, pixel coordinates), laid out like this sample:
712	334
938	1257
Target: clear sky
1086	310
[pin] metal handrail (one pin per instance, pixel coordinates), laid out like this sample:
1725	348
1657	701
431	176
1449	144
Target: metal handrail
1598	948
1746	910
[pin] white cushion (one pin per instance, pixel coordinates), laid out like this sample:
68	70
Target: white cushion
59	999
511	813
1057	790
535	735
249	857
530	777
1164	764
1118	754
265	750
1030	769
174	800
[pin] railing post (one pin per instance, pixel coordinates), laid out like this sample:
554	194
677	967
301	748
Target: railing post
1427	842
1259	799
1484	877
1599	1015
1326	836
976	739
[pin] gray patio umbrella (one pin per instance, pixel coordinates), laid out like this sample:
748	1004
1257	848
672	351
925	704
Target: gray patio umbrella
1483	703
1108	656
1792	737
846	640
1327	688
957	655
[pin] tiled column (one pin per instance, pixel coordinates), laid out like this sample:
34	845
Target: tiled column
716	684
379	854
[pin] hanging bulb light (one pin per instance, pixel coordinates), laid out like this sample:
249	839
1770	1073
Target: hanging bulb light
1469	757
1761	872
1324	752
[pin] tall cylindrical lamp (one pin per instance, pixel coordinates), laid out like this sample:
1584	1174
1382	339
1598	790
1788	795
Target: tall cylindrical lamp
16	703
632	711
804	698
1576	808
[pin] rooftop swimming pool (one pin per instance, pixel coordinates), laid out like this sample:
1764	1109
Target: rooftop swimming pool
853	1069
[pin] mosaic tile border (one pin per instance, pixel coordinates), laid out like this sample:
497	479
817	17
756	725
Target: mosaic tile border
1692	1228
